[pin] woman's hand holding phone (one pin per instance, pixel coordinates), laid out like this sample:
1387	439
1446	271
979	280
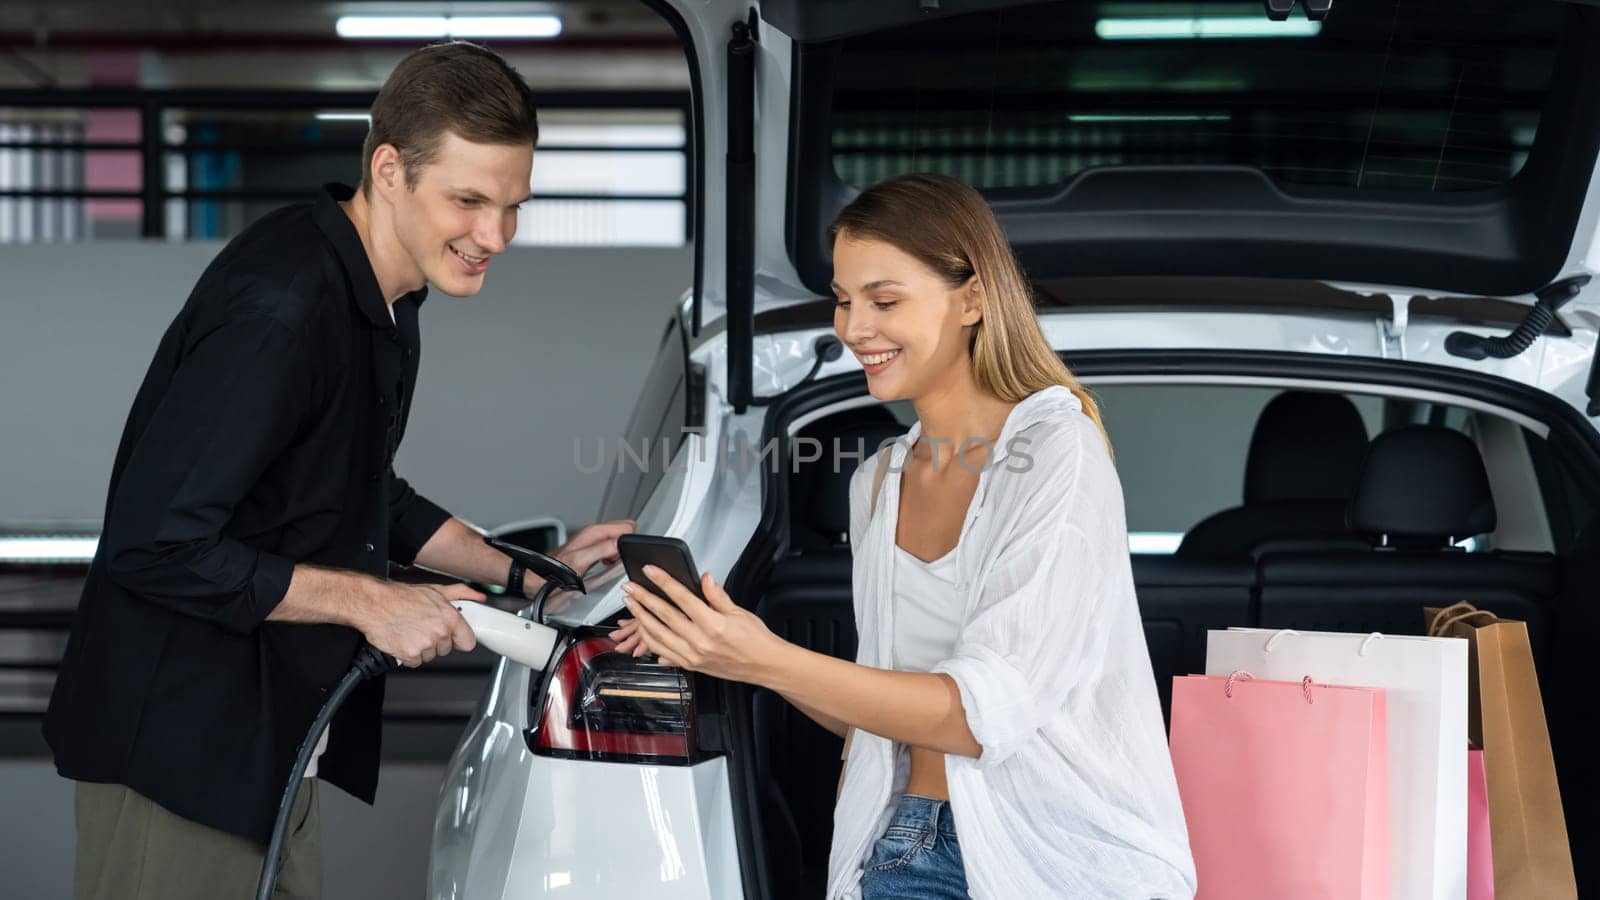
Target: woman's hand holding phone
715	636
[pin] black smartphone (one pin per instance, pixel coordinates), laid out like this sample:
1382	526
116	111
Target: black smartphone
665	553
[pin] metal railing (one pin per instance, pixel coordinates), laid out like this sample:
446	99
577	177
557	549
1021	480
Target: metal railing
154	106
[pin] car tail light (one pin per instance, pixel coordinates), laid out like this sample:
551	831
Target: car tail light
604	705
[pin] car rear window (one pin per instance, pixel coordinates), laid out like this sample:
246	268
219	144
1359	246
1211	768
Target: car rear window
1419	96
656	429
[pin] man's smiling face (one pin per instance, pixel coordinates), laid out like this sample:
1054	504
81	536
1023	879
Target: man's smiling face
462	211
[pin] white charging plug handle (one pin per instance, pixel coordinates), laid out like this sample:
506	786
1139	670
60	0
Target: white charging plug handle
517	639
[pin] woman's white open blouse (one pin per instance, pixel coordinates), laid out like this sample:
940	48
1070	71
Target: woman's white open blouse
1074	793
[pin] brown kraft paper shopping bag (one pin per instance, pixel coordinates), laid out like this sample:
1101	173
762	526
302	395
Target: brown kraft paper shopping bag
1532	855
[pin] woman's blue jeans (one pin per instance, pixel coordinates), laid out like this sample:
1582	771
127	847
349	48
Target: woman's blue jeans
917	858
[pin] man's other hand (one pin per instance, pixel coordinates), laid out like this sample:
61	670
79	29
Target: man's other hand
592	544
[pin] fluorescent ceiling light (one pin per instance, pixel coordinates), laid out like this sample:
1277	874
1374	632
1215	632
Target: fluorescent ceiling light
336	116
1203	27
1148	117
391	26
448	26
47	549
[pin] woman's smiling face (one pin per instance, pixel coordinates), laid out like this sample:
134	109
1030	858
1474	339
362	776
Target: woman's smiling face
907	325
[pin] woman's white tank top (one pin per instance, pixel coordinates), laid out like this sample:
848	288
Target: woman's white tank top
927	611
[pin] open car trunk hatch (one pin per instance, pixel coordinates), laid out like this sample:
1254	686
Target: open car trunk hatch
1442	146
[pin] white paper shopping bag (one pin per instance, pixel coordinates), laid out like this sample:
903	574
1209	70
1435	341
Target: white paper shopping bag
1426	683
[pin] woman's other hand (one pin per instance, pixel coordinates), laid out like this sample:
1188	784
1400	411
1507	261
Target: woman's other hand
715	636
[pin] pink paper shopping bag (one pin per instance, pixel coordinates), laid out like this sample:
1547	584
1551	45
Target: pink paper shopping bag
1480	852
1285	787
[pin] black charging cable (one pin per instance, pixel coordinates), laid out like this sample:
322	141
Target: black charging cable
556	574
371	662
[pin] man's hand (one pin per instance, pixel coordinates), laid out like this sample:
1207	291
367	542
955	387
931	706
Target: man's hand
416	623
592	544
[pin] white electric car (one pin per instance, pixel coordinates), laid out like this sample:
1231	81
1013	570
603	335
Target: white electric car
1267	246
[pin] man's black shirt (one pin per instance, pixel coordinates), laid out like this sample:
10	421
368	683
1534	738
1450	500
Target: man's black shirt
263	436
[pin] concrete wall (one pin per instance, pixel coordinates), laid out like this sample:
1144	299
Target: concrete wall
554	348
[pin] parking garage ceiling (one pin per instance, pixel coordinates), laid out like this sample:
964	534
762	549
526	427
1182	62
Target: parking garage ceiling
188	43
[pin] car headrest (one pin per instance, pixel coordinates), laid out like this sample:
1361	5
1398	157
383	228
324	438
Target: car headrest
1306	446
821	495
1423	482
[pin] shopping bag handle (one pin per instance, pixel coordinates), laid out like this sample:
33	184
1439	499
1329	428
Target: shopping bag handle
1277	636
1460	612
1238	675
1367	644
1282	633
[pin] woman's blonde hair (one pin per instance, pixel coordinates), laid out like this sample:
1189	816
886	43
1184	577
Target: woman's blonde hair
948	227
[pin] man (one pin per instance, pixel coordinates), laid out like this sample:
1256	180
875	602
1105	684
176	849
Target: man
253	508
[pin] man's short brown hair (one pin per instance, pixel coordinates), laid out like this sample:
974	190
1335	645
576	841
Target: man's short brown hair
454	86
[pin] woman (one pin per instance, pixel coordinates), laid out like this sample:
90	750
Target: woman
1003	690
